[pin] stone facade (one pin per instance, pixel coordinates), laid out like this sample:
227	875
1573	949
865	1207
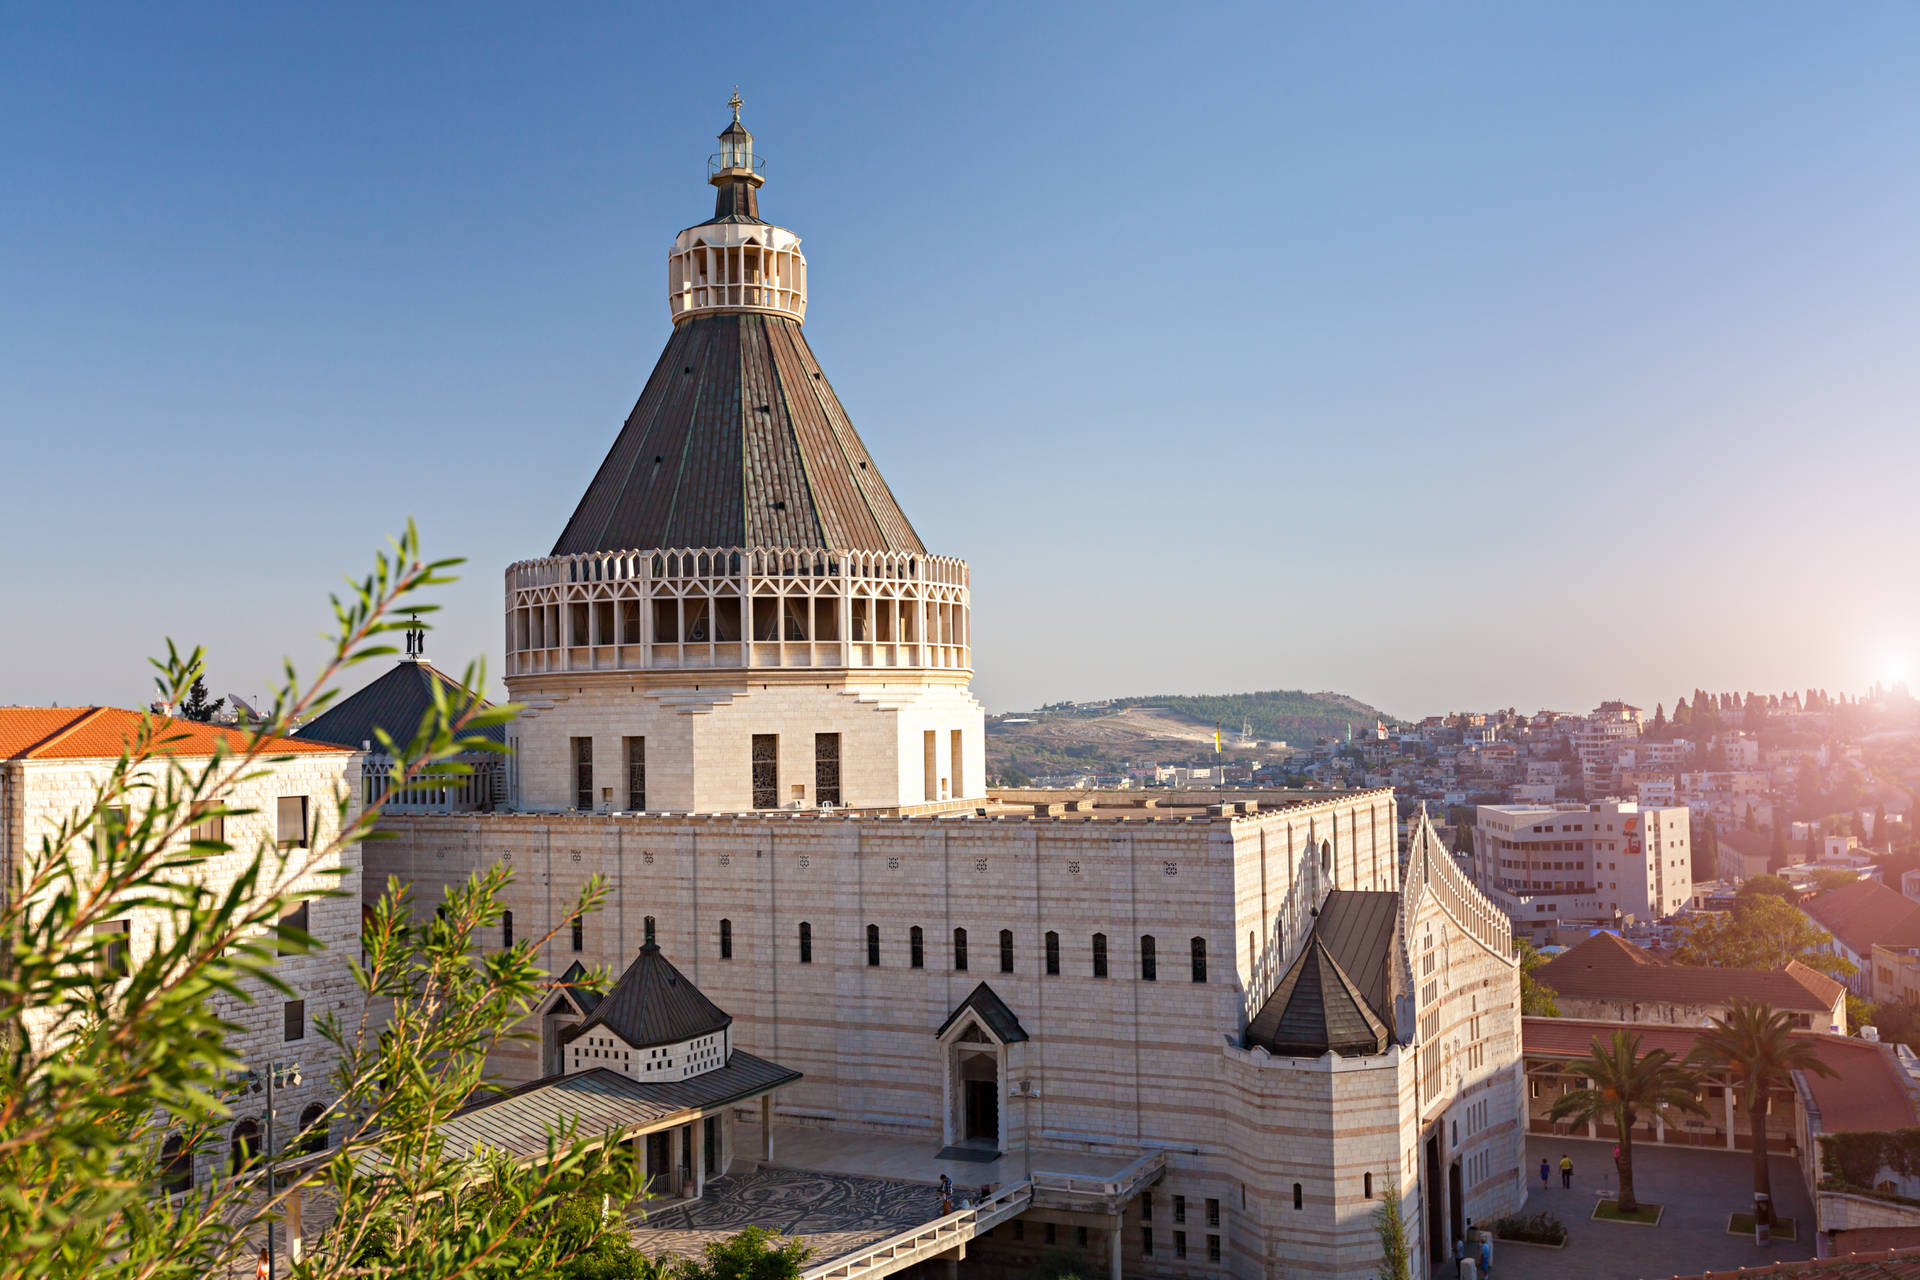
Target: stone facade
770	916
38	794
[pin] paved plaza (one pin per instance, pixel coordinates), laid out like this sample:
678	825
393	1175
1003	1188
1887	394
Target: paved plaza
1698	1188
834	1213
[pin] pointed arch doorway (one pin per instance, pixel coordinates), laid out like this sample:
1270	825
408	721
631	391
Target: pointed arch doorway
973	1044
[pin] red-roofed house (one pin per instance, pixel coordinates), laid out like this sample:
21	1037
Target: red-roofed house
1609	978
1860	914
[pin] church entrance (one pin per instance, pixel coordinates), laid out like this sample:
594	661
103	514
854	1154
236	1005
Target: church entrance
983	1111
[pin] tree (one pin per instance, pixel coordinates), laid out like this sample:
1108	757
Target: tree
1682	714
1761	932
1396	1255
1537	999
1626	1084
1660	716
754	1254
103	1064
195	705
1756	1046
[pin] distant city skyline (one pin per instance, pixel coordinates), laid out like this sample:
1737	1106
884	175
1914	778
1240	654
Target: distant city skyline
1446	360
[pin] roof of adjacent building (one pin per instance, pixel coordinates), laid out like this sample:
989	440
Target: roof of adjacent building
1608	967
96	733
572	986
396	702
653	1003
599	1101
1338	994
1868	1091
738	440
1891	1264
984	1001
1865	912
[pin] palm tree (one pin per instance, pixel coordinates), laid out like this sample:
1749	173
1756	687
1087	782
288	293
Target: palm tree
1756	1046
1626	1084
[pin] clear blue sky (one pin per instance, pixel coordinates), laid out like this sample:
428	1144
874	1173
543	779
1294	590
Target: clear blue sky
1443	355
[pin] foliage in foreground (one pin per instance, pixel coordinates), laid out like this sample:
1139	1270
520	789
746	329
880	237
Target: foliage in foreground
1396	1255
105	1056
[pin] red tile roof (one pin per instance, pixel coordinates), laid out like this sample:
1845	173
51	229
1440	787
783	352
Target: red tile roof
1865	912
96	733
1608	967
1893	1264
1870	1091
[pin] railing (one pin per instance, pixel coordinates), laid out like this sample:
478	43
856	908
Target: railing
1110	1186
928	1240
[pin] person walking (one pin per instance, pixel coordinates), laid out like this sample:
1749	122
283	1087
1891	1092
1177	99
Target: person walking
1459	1253
1544	1175
1486	1253
946	1195
1566	1171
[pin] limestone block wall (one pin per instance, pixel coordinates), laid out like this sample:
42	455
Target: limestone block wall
700	740
40	794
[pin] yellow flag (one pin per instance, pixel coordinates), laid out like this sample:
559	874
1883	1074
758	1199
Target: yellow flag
1216	739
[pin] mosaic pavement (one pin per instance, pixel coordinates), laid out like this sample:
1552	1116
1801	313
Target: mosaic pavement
835	1213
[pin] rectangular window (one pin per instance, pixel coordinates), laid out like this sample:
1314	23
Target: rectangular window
290	822
1053	953
766	771
296	1020
1099	955
955	769
960	950
1213	1212
579	934
1179	1208
636	774
873	946
1006	951
113	959
583	774
295	919
1147	964
917	948
210	830
1213	1248
929	766
806	942
1179	1244
826	768
1146	1241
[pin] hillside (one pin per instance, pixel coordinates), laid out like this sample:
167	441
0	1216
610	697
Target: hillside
1167	728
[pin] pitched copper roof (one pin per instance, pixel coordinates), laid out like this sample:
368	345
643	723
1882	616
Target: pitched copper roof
653	1003
395	702
1870	1091
1608	967
738	441
102	733
1865	912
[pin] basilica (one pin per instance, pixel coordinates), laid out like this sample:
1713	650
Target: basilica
746	691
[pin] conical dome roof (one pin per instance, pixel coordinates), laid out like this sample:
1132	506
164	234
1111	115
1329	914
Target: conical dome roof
653	1003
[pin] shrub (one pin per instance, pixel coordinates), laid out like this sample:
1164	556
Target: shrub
1538	1228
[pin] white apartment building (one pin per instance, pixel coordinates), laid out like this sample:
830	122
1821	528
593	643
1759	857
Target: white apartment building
1542	863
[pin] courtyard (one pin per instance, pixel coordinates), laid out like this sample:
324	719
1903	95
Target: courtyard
834	1213
1697	1187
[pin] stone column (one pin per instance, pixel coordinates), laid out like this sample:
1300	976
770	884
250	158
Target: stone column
1113	1251
1726	1092
296	1235
676	1159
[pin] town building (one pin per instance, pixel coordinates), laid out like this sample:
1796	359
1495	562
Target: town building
748	709
53	761
1859	916
1612	980
1605	862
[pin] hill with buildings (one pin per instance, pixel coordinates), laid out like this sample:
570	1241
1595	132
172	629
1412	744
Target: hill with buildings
1106	736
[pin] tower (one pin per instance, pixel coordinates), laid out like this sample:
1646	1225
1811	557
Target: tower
739	615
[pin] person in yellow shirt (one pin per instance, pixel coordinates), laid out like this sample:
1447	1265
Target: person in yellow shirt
1566	1170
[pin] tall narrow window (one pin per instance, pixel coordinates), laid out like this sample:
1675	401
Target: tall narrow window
290	822
506	928
873	946
246	1145
113	958
929	766
955	770
1149	969
1006	951
917	948
826	768
294	1020
1053	953
636	774
579	934
726	939
1297	1199
647	928
806	942
1099	955
313	1128
293	922
959	950
583	774
1199	959
176	1165
766	771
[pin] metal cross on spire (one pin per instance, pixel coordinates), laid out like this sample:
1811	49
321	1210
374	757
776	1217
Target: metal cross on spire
736	104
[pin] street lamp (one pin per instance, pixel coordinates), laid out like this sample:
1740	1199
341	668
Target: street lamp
1026	1091
285	1075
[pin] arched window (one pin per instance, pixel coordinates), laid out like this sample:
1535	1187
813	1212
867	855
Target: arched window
1367	1186
1296	1195
917	948
1053	953
313	1128
506	928
649	927
1006	951
246	1145
1326	858
806	942
726	939
873	946
1199	959
1099	955
959	950
579	934
176	1165
1149	970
